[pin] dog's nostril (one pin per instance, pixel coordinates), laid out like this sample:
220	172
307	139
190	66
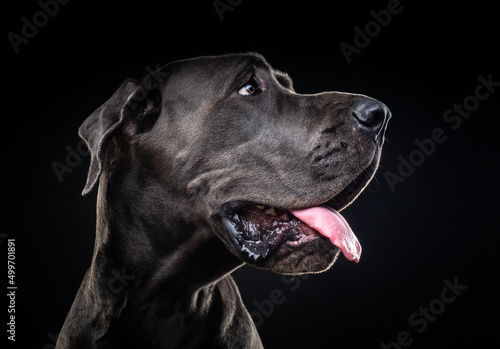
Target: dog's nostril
369	119
372	116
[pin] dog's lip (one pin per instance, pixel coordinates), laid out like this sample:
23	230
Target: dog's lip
338	201
351	191
258	231
342	236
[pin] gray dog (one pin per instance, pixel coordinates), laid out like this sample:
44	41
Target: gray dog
205	165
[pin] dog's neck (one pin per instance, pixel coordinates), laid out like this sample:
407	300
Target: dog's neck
141	263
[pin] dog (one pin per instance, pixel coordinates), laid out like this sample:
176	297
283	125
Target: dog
205	165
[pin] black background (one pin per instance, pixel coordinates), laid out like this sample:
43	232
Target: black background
438	224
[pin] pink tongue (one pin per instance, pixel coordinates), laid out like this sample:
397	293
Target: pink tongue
331	224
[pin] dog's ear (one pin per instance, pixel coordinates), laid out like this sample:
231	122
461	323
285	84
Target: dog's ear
134	104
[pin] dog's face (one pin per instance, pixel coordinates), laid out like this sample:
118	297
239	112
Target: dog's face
241	150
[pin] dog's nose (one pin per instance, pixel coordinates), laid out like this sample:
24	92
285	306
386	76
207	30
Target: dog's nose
372	116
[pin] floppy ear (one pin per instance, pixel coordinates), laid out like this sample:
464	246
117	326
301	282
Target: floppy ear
139	103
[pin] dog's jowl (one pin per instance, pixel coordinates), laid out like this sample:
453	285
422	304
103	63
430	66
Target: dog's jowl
217	164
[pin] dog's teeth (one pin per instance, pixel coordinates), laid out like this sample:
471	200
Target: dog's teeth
271	211
285	217
260	207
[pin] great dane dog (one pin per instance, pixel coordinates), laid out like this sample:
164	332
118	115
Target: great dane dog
204	165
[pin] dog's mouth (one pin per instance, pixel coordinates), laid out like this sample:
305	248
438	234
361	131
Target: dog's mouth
258	230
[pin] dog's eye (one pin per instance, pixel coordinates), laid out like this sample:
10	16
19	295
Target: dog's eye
250	88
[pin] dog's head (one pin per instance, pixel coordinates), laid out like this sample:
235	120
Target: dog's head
226	142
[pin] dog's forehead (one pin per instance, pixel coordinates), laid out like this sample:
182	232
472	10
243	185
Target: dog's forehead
225	63
220	68
207	78
217	74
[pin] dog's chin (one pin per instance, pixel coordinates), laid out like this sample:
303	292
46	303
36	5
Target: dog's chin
315	256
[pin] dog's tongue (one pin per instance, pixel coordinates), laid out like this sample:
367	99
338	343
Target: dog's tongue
331	224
